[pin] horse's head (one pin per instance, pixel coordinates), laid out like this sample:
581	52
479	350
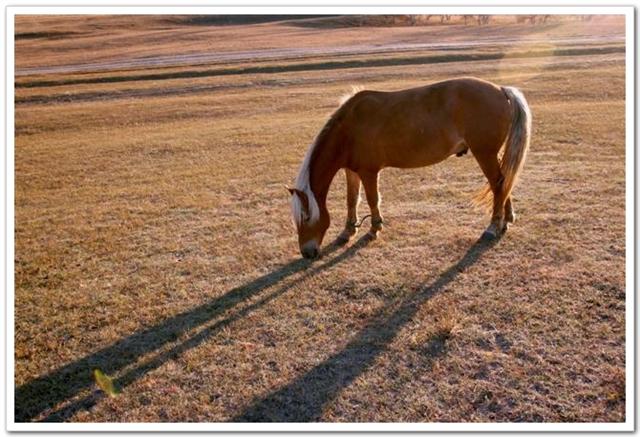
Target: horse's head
310	222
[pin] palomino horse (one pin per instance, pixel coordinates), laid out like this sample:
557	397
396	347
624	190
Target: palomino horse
412	128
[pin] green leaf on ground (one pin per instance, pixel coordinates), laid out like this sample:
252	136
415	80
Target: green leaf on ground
105	383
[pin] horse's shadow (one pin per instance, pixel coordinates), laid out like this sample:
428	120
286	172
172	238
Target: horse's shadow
40	397
304	399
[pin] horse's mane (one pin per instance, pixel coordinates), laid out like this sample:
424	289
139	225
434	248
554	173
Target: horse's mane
303	181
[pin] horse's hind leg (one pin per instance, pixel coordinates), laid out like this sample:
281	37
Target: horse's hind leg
353	198
509	213
370	182
491	168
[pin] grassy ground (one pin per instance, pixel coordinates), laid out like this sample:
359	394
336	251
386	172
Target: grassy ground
154	241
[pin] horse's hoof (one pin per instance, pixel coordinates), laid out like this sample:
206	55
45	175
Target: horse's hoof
510	218
345	236
491	233
373	234
488	236
342	240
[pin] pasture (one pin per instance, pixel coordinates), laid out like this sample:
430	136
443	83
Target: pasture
153	235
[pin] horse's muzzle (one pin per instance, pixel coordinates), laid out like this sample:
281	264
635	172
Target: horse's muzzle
310	253
310	249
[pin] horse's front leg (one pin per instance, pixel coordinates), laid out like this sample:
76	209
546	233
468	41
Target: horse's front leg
353	199
370	182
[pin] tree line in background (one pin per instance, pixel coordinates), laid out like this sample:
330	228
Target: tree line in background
480	20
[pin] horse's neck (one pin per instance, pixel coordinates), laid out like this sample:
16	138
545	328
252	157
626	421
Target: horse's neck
323	167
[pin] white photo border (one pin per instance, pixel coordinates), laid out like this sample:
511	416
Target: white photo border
258	7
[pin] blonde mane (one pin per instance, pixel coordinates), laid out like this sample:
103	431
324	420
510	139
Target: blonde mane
303	181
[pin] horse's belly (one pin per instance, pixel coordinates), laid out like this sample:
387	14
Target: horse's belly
420	155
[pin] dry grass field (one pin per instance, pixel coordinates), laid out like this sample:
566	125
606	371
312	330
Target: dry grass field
153	237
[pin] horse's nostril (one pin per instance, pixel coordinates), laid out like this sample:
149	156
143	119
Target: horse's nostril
310	253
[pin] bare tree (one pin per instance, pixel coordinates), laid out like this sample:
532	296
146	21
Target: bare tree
524	18
538	19
483	19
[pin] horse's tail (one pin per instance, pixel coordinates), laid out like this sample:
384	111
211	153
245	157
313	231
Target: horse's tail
516	148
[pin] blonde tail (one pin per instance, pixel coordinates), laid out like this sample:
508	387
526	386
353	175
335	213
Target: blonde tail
517	145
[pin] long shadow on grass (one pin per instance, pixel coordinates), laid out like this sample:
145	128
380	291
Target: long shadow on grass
304	399
45	393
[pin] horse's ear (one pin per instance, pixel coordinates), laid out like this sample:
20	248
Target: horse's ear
290	190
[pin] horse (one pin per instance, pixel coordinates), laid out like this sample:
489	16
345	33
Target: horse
412	128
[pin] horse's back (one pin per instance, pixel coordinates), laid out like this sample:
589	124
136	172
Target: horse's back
424	125
469	109
467	99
